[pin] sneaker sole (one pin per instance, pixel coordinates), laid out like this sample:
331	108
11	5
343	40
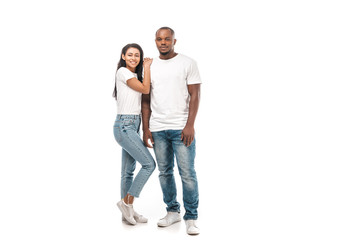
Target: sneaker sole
169	224
136	219
120	206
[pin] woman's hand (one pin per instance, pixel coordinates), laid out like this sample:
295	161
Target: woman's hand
147	62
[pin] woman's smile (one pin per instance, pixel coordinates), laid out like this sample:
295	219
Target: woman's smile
132	58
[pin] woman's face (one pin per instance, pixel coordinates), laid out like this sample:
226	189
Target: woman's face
132	58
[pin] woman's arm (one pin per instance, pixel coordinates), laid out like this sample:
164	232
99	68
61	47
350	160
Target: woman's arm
143	87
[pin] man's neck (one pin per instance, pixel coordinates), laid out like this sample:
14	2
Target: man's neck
168	56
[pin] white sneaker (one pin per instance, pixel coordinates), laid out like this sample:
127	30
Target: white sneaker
138	218
170	218
127	211
191	227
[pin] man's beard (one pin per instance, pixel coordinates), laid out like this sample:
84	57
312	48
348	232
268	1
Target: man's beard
164	53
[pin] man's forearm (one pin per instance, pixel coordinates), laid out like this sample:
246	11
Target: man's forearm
193	109
145	111
193	105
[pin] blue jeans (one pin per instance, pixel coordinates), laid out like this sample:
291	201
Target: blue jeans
126	132
168	144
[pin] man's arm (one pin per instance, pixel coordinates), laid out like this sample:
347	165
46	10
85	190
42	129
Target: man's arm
188	133
146	112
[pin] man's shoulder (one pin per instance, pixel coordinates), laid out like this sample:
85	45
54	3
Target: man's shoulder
185	58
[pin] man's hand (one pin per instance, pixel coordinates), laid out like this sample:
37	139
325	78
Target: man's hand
146	136
187	135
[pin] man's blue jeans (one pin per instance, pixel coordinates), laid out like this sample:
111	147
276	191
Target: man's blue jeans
126	132
168	144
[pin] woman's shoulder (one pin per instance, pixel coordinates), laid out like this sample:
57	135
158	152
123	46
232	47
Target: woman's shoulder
123	71
124	74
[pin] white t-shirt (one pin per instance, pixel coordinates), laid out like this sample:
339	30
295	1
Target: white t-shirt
169	93
128	100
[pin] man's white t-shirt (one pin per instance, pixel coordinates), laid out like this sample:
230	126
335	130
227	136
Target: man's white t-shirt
169	93
128	100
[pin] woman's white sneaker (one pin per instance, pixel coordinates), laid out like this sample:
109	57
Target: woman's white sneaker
170	218
127	211
138	218
191	227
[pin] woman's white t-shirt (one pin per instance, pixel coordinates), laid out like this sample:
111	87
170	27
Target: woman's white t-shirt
169	94
128	100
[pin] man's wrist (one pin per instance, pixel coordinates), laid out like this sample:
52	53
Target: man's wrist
189	125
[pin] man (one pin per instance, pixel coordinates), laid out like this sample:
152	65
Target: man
169	113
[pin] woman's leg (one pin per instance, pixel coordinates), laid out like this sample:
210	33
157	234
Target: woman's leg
128	165
135	147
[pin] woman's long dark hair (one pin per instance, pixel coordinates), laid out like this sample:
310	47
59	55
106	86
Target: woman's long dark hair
122	63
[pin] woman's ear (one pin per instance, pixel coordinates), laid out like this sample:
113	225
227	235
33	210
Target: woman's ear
123	56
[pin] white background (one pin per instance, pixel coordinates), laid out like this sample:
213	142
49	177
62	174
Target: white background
278	130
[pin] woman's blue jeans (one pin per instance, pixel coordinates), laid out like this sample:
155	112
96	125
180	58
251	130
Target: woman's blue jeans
168	144
126	132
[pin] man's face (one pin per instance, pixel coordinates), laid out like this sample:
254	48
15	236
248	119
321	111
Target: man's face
165	41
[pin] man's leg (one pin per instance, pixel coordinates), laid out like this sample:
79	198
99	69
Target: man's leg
165	161
185	157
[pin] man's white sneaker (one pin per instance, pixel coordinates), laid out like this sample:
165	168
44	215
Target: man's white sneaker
138	218
127	211
170	218
191	227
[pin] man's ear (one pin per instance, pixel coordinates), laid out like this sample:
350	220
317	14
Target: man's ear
174	41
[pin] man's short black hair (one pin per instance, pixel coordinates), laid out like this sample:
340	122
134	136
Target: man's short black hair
167	28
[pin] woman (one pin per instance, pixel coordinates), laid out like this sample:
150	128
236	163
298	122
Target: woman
130	83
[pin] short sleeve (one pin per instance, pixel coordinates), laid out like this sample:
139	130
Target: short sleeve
124	74
193	75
